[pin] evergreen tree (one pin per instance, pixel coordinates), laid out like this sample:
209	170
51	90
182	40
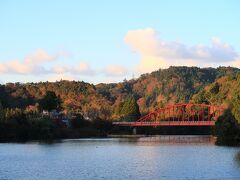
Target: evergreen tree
130	110
50	101
118	108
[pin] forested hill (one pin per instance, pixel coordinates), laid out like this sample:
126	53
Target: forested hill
224	91
167	86
162	87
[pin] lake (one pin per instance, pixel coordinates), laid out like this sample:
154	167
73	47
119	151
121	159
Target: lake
157	157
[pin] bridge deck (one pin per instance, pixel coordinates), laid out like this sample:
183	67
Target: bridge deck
167	123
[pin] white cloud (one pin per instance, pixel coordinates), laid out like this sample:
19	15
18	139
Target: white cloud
82	68
35	64
32	64
156	53
115	70
16	67
40	56
39	63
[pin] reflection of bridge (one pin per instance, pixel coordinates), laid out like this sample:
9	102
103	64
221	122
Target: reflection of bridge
179	115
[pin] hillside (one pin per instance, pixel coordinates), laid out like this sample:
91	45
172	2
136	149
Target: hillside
224	91
162	87
167	86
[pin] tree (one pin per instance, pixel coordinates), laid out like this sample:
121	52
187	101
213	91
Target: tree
130	110
236	101
1	106
105	113
118	108
236	107
50	101
200	98
214	88
102	125
79	122
227	129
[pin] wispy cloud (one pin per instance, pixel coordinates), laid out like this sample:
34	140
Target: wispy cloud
17	67
82	69
31	64
41	56
156	53
35	64
40	63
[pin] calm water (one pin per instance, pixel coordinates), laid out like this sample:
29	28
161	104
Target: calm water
143	158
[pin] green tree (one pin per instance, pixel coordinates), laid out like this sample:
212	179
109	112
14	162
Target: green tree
118	108
50	101
130	110
200	98
236	107
236	101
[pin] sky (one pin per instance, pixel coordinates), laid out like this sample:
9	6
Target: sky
109	41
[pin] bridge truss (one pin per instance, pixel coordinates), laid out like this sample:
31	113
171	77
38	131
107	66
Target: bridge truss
179	115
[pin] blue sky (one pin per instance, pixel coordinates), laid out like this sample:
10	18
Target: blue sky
107	41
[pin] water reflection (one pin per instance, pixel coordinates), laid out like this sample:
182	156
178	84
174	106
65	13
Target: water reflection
156	157
237	158
173	139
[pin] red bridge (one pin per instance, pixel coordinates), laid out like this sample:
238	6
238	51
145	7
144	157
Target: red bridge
179	115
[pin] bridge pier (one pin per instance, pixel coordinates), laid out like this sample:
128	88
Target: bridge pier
134	131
